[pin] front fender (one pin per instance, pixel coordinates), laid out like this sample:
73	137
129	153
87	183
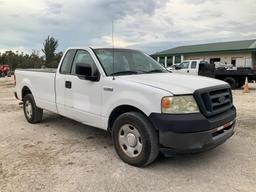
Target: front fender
145	98
141	102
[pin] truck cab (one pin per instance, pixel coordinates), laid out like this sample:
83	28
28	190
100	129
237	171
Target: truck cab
189	67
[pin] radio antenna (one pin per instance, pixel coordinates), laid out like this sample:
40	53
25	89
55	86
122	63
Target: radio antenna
113	52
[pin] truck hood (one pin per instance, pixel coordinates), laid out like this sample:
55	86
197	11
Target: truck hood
177	84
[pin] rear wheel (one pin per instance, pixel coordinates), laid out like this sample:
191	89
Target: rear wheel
32	113
231	81
135	139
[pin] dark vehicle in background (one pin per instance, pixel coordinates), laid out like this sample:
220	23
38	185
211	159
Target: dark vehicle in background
5	70
235	76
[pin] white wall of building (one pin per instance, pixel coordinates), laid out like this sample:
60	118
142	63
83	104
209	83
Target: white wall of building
242	59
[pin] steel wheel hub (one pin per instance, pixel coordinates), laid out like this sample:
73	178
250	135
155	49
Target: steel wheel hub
28	109
130	140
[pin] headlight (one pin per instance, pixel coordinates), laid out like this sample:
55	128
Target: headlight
179	104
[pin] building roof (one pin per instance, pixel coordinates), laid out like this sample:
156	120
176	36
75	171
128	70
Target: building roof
211	47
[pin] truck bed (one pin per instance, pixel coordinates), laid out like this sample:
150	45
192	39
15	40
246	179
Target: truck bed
45	70
238	72
41	83
211	71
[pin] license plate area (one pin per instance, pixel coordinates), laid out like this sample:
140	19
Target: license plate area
220	130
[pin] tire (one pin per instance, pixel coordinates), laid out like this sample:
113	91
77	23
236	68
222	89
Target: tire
135	125
32	113
231	81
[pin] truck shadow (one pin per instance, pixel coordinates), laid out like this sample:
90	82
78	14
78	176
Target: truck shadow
192	161
75	129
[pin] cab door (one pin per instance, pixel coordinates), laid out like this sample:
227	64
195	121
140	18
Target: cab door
83	99
60	80
193	68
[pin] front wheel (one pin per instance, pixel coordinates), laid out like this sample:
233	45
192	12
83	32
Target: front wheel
32	113
135	139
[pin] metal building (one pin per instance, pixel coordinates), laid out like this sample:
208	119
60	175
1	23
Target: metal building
237	53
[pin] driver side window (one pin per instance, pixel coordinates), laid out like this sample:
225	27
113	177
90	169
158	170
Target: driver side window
83	58
184	65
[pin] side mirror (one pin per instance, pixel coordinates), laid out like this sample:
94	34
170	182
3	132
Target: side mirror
85	70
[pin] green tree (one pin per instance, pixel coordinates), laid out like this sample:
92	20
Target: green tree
16	60
49	47
58	56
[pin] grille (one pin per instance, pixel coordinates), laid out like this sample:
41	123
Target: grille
214	100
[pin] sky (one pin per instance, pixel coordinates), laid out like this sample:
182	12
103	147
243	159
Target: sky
147	25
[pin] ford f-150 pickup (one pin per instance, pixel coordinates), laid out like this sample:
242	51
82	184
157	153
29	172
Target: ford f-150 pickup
146	108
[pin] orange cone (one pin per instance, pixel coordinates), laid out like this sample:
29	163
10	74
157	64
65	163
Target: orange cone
246	86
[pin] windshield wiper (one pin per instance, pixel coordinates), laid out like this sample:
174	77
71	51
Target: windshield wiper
124	73
156	71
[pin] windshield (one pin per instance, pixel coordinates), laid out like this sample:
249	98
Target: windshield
127	62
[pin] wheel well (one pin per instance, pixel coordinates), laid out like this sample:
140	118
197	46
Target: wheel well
119	111
25	91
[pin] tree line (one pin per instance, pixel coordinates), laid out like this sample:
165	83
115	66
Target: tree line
50	59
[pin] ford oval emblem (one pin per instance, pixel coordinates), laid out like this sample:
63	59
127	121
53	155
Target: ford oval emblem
222	99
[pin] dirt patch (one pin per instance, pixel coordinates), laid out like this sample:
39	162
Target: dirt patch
6	83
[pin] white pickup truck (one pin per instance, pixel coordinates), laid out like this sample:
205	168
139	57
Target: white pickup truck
190	67
146	108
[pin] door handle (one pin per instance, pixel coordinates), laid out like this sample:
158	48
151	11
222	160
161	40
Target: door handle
108	88
68	84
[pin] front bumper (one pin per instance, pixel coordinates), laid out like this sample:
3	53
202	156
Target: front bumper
191	133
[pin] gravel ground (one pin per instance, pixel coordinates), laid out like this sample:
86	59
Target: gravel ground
62	155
